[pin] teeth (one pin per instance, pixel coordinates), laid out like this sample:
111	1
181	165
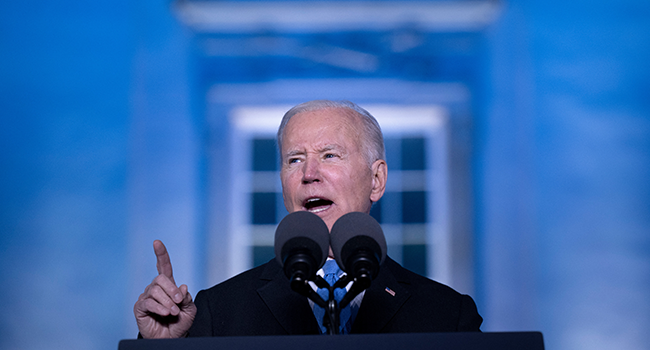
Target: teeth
317	204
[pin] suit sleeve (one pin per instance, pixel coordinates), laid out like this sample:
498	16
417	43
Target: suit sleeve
202	326
469	320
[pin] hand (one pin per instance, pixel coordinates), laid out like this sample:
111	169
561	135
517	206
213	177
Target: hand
164	310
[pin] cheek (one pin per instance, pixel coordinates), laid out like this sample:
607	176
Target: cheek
286	178
359	179
362	186
287	197
288	181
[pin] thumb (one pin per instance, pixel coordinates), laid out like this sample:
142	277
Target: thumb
187	297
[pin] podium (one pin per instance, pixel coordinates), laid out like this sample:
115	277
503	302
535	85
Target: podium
410	341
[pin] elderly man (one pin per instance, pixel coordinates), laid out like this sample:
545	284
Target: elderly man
332	156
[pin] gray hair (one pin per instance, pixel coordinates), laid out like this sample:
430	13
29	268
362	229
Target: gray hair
373	142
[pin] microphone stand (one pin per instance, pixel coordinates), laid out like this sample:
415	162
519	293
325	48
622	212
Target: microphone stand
332	308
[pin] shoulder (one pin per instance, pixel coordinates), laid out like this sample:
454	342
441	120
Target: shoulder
237	306
247	281
417	284
454	311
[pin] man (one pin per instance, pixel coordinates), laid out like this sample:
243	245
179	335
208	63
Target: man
332	156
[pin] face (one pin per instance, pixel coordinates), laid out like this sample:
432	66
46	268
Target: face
324	169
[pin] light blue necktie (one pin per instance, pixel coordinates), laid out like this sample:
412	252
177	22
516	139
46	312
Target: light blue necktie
332	273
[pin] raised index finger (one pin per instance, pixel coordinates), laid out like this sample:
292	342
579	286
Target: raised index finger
163	264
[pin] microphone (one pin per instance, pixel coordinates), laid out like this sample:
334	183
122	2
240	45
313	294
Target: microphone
301	247
359	247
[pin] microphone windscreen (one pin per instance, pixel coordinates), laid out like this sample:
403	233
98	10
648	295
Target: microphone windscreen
304	231
353	231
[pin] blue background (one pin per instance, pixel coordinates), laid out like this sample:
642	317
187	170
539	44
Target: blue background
101	123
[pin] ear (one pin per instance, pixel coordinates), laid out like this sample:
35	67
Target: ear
379	177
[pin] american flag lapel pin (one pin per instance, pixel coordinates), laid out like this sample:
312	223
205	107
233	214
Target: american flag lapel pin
390	291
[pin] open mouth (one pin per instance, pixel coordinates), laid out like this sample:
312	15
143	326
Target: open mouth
316	205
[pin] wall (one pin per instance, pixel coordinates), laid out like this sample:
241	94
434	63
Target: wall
96	149
100	153
563	173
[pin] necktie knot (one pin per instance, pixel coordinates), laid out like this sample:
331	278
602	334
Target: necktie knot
331	272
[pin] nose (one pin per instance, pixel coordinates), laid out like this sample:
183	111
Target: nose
311	171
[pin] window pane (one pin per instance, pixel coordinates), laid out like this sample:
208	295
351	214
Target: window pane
391	208
262	254
414	258
393	146
263	209
414	207
264	155
413	157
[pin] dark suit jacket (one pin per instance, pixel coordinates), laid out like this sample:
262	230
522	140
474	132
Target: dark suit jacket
261	302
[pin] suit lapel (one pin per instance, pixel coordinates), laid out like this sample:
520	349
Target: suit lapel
291	309
381	301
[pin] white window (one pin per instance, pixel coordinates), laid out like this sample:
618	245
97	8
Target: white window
413	212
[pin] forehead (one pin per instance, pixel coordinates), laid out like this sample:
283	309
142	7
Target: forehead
322	126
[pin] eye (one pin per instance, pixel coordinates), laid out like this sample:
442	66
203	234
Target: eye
330	156
293	160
